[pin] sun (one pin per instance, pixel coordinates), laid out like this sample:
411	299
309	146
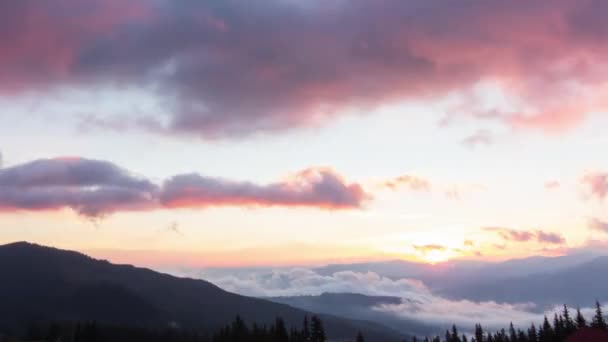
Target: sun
436	256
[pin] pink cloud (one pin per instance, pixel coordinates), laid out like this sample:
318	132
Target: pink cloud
237	70
95	188
597	183
322	188
539	236
550	238
598	225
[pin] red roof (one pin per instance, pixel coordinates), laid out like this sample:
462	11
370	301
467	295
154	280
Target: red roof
589	335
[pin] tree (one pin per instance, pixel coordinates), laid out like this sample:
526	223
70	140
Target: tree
317	332
598	320
512	333
546	334
478	333
306	329
239	329
558	327
360	337
532	334
570	327
581	322
280	331
454	337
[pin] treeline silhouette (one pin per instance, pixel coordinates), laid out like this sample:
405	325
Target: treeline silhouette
559	329
238	331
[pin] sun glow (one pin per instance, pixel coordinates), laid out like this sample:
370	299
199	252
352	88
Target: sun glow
436	256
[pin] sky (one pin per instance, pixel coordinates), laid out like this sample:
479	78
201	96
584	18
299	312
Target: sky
285	132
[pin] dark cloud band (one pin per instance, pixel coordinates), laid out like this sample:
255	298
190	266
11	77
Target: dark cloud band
233	68
95	188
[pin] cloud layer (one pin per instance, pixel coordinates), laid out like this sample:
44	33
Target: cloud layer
94	188
232	68
309	188
539	236
598	225
90	187
597	183
419	303
413	183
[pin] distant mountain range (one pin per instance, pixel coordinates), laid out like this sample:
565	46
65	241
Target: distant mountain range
443	277
42	283
581	284
574	280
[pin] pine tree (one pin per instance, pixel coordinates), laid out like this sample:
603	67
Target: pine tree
306	329
280	331
581	322
317	332
598	320
239	329
532	334
558	328
479	333
546	335
521	336
570	327
454	336
512	333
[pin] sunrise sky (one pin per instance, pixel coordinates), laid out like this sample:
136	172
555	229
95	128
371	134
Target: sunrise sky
283	132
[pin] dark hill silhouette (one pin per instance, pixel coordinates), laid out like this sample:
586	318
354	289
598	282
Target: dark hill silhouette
41	283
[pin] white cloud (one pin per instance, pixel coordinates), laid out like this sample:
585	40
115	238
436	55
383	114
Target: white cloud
419	303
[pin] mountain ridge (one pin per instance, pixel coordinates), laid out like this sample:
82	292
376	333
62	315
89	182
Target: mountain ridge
41	282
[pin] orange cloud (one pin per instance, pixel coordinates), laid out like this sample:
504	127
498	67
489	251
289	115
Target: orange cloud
413	183
429	248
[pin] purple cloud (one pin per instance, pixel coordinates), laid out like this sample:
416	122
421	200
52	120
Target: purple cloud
598	225
539	236
92	188
95	188
231	68
321	188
